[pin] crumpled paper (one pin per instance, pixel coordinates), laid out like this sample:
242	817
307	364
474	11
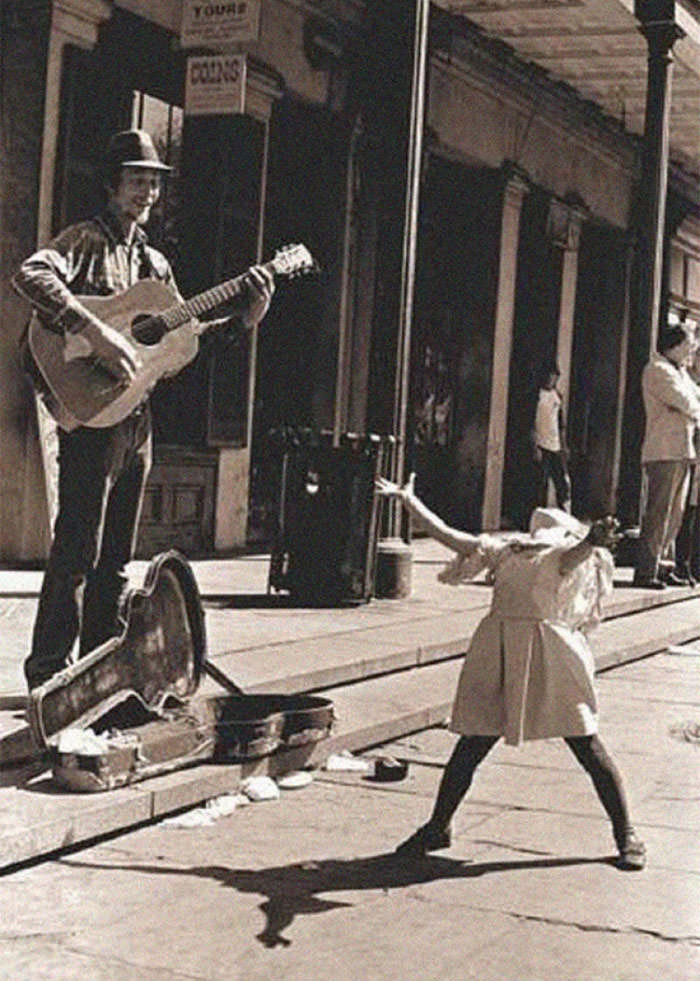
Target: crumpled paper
84	742
346	761
260	788
207	814
295	780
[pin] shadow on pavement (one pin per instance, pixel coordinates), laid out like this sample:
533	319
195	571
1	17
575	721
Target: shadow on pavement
297	889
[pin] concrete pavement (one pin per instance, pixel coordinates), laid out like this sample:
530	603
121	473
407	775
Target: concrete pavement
304	887
389	666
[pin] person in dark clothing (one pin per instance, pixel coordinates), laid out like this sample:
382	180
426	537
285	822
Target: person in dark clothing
102	472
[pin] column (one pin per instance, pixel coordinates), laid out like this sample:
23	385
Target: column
658	25
514	190
72	22
567	236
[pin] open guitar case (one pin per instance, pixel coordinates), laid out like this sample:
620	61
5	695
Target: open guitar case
127	710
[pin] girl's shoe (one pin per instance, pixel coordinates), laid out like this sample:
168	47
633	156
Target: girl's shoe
633	853
425	839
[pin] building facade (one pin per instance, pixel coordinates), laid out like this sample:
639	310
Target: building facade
527	245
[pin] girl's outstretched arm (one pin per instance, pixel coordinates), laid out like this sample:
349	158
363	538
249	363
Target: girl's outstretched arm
603	533
458	541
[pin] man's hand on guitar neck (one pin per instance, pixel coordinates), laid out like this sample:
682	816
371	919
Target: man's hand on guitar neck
114	353
260	285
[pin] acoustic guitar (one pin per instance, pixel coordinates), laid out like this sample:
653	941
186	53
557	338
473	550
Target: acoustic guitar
163	329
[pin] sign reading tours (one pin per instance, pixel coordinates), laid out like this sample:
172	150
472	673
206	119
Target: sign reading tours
215	85
206	23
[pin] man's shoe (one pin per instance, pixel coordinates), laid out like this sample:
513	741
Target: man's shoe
648	582
425	839
632	852
676	579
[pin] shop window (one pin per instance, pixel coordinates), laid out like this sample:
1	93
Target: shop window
164	122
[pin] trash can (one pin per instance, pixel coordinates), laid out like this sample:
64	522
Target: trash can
324	546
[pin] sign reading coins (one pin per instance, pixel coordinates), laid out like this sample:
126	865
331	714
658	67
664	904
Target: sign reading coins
215	85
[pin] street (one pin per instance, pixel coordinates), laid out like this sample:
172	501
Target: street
305	886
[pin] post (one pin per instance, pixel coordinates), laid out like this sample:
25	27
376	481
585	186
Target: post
392	551
515	187
659	27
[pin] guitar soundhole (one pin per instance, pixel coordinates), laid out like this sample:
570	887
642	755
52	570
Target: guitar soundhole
147	329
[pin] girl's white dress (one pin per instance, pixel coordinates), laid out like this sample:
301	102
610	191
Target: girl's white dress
528	673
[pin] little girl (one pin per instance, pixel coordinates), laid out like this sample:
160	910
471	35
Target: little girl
528	673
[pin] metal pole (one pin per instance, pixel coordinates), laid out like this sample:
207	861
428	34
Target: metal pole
410	237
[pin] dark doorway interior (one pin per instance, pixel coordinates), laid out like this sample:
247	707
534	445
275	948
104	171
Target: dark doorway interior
595	370
453	337
535	330
297	345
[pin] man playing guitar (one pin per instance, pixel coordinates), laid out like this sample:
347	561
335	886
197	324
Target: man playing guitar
102	469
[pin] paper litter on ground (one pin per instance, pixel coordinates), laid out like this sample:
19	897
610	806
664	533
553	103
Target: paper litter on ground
207	814
295	780
346	761
260	788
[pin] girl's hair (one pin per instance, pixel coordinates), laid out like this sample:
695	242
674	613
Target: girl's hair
546	369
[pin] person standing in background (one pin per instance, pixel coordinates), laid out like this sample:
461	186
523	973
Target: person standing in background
549	440
687	556
672	408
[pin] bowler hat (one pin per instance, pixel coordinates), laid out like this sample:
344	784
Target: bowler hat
133	148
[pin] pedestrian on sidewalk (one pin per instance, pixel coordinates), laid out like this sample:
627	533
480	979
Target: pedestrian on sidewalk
687	545
529	671
672	409
549	439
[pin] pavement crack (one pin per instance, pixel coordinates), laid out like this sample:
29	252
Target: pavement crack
691	939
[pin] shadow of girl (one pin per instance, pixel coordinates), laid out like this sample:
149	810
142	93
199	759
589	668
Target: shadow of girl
298	889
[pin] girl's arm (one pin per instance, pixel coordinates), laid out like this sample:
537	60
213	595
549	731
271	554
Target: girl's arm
602	533
458	541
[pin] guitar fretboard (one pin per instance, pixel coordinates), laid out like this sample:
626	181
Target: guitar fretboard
180	313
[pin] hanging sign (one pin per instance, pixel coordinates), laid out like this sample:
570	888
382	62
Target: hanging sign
215	85
206	23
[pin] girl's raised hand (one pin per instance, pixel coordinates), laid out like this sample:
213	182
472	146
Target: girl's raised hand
386	488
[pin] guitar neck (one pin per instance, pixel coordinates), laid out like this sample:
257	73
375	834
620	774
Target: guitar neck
196	306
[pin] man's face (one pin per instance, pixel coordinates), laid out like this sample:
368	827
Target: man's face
137	192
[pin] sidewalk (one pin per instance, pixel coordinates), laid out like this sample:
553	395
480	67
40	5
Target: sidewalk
357	655
305	888
261	639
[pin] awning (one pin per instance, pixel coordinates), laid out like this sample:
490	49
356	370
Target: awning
596	48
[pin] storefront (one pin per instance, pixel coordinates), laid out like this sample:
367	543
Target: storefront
524	249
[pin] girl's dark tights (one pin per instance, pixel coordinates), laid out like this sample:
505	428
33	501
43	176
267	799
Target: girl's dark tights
588	750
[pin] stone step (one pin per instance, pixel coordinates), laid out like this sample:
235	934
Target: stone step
36	821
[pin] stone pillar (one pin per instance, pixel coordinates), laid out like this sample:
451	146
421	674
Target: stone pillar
514	190
232	495
659	27
72	22
564	227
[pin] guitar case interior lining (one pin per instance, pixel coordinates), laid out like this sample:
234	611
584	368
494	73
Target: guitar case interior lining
134	694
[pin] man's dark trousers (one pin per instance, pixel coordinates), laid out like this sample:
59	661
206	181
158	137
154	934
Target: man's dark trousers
101	485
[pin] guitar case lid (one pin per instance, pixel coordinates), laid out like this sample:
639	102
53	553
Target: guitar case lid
159	655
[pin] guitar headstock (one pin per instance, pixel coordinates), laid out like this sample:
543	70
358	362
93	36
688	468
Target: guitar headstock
293	260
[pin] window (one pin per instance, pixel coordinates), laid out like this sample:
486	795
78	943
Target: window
164	123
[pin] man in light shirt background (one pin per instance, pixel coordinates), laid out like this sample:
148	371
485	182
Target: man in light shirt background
672	409
549	440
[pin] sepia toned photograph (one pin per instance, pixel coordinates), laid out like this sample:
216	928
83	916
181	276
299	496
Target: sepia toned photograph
349	490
